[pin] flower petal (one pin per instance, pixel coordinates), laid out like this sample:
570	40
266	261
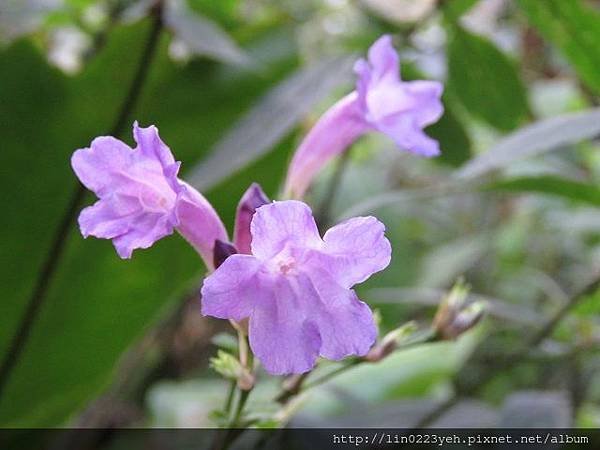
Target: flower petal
100	166
426	94
104	219
355	249
144	230
281	336
283	223
346	325
233	290
150	147
408	136
394	107
384	60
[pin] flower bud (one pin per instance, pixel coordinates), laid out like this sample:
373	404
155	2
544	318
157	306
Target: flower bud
391	341
252	199
226	364
230	367
222	251
454	316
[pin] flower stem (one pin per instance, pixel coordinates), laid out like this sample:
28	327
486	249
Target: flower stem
423	338
239	410
230	395
513	359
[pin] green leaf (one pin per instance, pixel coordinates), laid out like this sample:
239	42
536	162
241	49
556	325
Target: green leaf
459	7
226	341
97	304
271	119
203	36
537	138
485	80
224	11
574	29
552	185
589	306
454	141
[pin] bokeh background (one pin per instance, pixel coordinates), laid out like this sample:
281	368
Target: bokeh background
511	205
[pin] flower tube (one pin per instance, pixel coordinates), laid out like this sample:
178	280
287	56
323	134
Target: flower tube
381	102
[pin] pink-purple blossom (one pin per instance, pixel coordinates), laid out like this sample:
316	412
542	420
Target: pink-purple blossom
141	199
296	287
253	198
381	102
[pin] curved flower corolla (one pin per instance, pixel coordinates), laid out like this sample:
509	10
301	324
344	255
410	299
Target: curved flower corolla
296	287
141	200
381	102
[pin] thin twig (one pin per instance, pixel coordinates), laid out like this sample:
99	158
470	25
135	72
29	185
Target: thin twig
560	314
514	359
328	376
291	386
61	235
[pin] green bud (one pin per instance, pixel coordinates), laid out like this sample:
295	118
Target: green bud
226	365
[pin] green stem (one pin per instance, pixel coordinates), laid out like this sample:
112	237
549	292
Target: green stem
508	362
422	338
229	400
328	376
239	410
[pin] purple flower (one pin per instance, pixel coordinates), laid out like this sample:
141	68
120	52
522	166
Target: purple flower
141	199
253	198
296	288
381	102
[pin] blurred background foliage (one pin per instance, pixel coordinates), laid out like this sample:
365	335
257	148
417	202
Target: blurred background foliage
512	205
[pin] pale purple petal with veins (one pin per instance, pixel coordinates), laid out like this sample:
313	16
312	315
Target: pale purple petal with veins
354	249
141	199
295	288
382	102
230	291
281	331
290	225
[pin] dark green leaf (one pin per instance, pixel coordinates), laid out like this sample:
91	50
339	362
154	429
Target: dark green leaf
271	119
485	80
203	36
574	29
454	141
97	304
552	185
459	7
